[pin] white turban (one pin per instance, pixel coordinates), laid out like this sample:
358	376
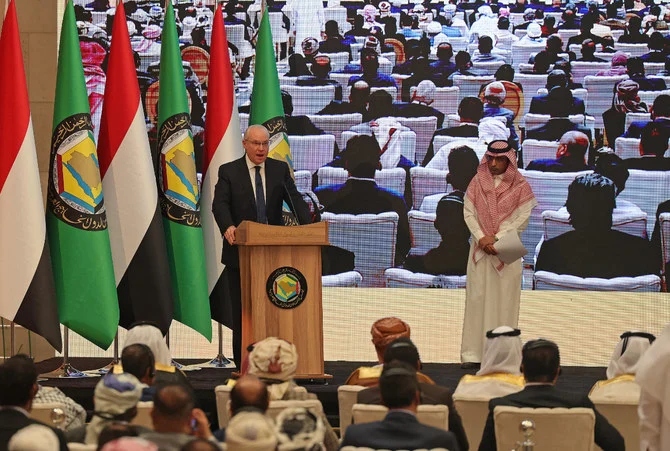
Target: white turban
251	431
151	336
492	129
274	359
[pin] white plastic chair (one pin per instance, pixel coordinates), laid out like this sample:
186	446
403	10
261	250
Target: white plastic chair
581	69
235	34
310	152
521	54
534	149
627	147
424	127
648	97
372	239
647	189
632	49
338	60
470	85
335	124
635	117
601	92
407	142
303	180
474	412
531	83
624	220
347	395
446	99
425	182
623	416
222	397
402	278
490	67
310	99
339	15
422	228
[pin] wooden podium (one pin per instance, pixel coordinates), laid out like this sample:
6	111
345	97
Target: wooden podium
280	277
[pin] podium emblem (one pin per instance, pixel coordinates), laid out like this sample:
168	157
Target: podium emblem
286	287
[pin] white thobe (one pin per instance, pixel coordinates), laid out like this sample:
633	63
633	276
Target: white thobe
492	297
308	17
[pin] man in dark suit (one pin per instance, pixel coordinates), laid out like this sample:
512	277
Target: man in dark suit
470	112
252	188
558	124
360	193
400	429
18	386
636	72
557	82
653	145
403	350
358	101
540	365
570	155
660	114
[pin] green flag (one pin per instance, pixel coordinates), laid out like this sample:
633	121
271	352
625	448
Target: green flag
266	104
76	221
178	188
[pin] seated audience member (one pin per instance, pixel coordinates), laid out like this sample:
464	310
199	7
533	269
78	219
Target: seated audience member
320	76
569	18
463	67
297	125
249	394
663	207
635	71
557	82
549	26
310	47
656	53
358	101
566	66
660	115
34	437
421	71
450	27
593	248
570	155
533	36
586	32
434	34
494	97
633	33
360	193
486	23
499	374
485	48
620	384
444	65
541	63
588	52
18	385
371	74
175	418
75	415
383	331
250	430
275	361
357	28
610	165
626	100
334	42
540	365
607	45
504	36
115	399
403	350
470	112
400	429
451	256
618	65
653	146
419	106
113	432
652	377
138	360
505	73
666	68
559	123
298	428
297	66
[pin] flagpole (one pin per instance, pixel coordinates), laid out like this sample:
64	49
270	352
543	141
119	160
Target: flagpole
220	361
12	349
65	370
115	358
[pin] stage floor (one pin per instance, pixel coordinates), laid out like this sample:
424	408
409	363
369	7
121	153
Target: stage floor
579	379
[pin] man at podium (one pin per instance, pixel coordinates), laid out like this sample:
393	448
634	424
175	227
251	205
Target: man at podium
252	188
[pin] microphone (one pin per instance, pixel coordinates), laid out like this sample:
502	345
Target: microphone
290	202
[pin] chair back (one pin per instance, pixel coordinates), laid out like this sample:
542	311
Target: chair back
624	417
545	280
328	175
339	15
446	99
276	407
627	147
579	93
199	60
638	191
632	49
45	412
631	222
303	180
531	83
279	33
534	149
335	124
490	67
398	48
222	397
143	417
402	278
235	34
372	239
426	181
310	99
407	142
422	230
392	179
310	152
338	60
470	85
424	127
347	396
430	415
633	117
474	412
72	446
648	97
521	54
581	69
601	93
555	428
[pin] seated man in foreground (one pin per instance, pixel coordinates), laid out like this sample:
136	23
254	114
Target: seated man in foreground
400	429
570	155
540	365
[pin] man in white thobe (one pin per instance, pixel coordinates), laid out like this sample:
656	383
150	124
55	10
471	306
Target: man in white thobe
498	201
308	17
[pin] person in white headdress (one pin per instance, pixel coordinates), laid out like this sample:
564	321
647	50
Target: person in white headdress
250	431
500	373
620	384
309	19
34	437
300	429
486	24
654	408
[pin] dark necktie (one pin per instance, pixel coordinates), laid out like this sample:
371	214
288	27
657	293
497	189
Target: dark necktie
261	214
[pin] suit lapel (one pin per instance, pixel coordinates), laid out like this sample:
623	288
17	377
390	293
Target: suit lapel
245	183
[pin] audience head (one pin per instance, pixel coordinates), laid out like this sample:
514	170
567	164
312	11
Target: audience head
556	79
495	93
502	351
462	163
626	98
573	145
287	102
138	360
591	200
540	361
151	336
565	66
635	66
297	66
380	104
398	386
386	330
369	61
607	44
250	431
549	22
661	107
485	44
425	92
361	156
471	109
274	361
114	431
18	382
654	140
554	43
498	157
656	41
634	24
505	73
628	352
445	51
402	349
534	31
299	429
588	48
34	437
249	393
360	93
321	66
503	23
332	29
542	62
613	167
358	22
173	409
463	60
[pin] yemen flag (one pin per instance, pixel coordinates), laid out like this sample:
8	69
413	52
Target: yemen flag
222	145
27	292
135	226
178	188
76	220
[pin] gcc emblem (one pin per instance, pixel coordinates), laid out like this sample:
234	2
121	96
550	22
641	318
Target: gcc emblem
286	287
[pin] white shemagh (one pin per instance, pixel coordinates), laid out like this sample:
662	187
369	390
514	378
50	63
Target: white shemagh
627	361
387	132
502	354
